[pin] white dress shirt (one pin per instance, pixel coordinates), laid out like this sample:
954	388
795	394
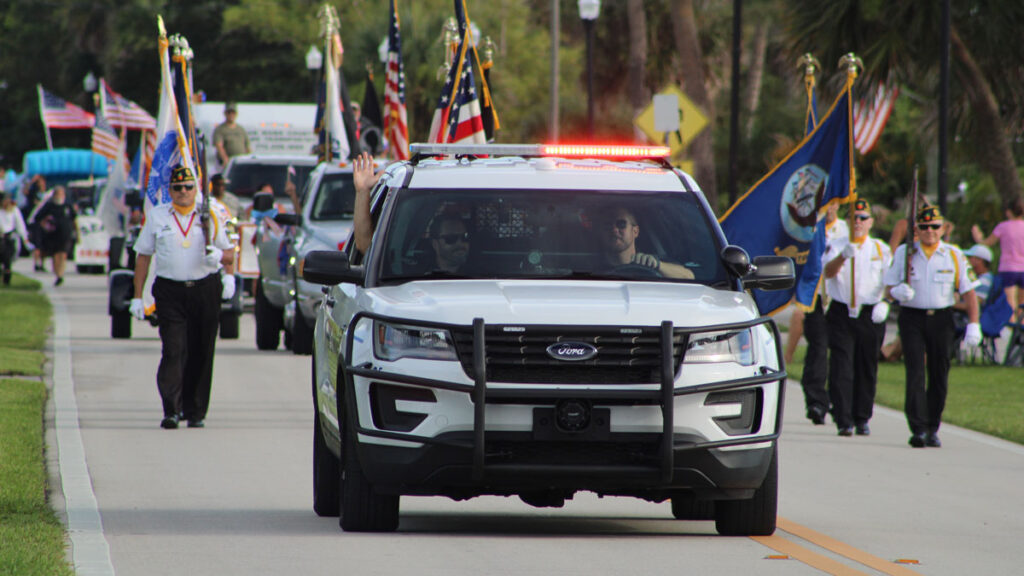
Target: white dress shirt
178	243
935	280
860	280
12	221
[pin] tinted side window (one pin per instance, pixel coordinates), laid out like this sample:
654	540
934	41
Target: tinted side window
335	199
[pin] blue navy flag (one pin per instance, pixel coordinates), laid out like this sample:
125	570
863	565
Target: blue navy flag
166	157
783	214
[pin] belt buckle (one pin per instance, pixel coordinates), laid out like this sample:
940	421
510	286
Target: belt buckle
930	312
190	283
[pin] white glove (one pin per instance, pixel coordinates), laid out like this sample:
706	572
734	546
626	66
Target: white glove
213	256
880	312
972	337
137	309
902	292
229	287
849	251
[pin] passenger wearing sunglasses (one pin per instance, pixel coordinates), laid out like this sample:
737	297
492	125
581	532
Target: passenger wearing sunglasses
938	271
618	231
187	291
856	321
450	239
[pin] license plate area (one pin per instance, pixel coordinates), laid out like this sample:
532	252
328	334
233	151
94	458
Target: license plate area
565	422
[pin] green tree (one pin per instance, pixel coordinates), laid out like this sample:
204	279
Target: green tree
900	41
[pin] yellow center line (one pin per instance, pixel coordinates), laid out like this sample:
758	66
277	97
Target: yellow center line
809	557
831	544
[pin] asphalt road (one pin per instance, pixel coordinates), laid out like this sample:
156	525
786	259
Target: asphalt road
235	497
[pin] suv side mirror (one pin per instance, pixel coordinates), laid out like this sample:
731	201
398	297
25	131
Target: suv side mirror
736	260
329	267
771	273
262	201
285	219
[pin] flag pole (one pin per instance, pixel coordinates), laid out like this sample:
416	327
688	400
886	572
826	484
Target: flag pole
42	116
853	64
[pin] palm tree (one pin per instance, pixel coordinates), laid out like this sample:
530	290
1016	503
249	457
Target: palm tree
899	41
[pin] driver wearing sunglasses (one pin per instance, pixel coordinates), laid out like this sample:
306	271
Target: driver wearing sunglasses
450	239
618	231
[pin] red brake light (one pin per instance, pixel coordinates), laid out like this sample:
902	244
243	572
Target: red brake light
597	151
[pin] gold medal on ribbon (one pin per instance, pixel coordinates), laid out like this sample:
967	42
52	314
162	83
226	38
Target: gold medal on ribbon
185	243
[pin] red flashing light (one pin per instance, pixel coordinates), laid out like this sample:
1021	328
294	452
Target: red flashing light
341	245
599	151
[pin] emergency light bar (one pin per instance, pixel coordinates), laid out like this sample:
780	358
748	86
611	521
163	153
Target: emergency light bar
543	150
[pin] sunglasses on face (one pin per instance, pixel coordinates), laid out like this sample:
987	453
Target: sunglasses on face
450	239
861	217
182	187
622	224
929	226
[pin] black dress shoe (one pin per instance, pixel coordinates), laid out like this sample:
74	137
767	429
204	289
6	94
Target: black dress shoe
816	414
169	422
932	440
863	430
58	281
917	440
846	431
196	423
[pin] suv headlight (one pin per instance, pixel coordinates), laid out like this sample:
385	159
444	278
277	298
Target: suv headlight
394	341
732	346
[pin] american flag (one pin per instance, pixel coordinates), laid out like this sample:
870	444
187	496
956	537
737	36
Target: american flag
396	127
58	113
104	139
457	118
869	117
122	112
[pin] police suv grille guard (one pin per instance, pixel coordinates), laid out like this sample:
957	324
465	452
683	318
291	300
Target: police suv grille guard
664	396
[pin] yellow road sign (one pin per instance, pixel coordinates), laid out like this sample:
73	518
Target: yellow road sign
691	122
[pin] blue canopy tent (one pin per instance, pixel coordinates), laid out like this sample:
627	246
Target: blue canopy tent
65	164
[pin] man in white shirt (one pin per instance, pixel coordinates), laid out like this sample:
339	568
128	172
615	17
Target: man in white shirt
937	272
856	321
187	291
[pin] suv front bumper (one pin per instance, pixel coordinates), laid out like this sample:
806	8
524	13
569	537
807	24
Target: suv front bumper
654	465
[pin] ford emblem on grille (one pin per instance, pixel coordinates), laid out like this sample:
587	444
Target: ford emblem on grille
572	351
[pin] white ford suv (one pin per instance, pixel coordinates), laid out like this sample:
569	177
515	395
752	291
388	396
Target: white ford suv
489	342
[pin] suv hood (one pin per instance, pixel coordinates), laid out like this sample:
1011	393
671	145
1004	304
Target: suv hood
561	302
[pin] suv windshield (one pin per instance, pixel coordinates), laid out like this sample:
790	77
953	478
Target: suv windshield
550	234
335	199
247	177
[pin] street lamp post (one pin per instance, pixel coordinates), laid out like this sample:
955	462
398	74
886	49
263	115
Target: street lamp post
589	11
314	60
91	86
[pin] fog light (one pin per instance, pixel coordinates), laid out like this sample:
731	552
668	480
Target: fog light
739	410
572	415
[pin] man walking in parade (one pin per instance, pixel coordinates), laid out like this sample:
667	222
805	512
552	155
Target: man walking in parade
187	291
856	321
926	284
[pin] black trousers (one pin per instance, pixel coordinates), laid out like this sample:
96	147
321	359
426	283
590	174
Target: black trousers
926	334
816	359
8	249
189	315
854	345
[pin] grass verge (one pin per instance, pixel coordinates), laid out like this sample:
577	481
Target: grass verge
31	537
988	399
25	316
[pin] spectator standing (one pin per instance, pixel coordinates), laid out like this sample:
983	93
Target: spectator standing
230	138
219	190
938	271
56	220
856	321
35	196
1010	236
812	326
188	292
12	227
